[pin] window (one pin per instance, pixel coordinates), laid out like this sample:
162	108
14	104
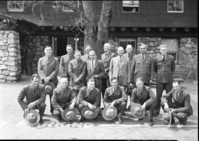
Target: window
175	6
15	6
80	43
125	41
131	6
172	47
66	9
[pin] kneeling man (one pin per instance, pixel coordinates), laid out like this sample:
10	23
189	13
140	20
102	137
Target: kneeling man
63	97
144	96
35	97
115	96
181	107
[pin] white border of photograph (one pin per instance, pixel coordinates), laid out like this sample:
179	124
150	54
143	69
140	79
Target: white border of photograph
21	9
175	11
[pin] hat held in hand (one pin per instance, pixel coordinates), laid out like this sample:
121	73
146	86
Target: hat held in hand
109	113
167	117
69	114
87	113
136	110
32	118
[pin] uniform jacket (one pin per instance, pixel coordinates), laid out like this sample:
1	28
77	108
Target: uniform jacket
142	68
30	57
98	70
106	61
64	62
118	95
125	68
146	96
77	70
182	101
60	98
93	97
31	95
164	70
48	68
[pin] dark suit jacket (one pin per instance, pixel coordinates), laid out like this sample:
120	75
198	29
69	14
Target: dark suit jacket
77	70
118	95
182	102
142	68
93	97
146	96
30	56
64	62
60	98
164	70
48	68
28	92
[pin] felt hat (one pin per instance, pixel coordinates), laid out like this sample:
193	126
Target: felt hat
136	110
87	113
109	113
69	114
32	118
48	89
167	117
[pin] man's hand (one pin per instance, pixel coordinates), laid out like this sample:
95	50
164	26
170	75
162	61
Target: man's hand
112	104
90	106
26	111
94	107
96	76
47	79
61	110
143	106
173	111
31	105
106	104
166	107
71	106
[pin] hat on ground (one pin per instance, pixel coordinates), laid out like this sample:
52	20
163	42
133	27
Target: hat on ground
48	89
136	110
69	114
32	118
87	113
167	117
109	113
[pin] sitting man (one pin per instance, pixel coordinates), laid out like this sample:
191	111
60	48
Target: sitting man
115	96
35	97
89	96
144	96
181	107
63	97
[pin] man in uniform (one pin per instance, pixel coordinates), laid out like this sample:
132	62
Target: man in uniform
47	69
164	66
115	96
35	97
64	62
120	68
63	97
95	68
85	57
89	96
106	58
181	107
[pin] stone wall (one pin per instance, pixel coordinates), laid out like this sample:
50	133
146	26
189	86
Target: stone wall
10	58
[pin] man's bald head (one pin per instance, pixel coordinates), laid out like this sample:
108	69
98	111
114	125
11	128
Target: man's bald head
120	51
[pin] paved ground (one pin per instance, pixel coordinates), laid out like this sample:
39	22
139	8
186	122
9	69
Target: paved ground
13	126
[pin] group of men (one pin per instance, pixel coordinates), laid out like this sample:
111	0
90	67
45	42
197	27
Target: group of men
85	79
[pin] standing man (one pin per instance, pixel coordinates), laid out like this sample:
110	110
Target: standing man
129	53
115	96
85	57
47	69
142	66
164	66
106	58
64	62
120	68
35	97
30	60
95	68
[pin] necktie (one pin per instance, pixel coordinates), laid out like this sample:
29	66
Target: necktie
142	57
92	65
163	58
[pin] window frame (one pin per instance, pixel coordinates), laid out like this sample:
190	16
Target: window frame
128	40
130	6
175	11
15	10
69	38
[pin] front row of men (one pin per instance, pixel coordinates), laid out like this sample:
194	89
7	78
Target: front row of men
89	96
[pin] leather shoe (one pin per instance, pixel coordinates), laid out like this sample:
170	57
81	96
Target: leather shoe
82	119
140	119
151	123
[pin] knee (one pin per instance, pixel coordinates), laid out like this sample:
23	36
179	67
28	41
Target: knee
181	116
56	113
80	106
42	106
123	104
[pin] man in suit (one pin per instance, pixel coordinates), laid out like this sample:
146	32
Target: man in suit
47	69
89	96
144	95
106	58
77	72
181	107
142	66
95	68
30	60
129	53
64	62
120	68
35	97
115	96
164	66
85	57
63	97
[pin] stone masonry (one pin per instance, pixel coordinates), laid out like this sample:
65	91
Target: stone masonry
10	58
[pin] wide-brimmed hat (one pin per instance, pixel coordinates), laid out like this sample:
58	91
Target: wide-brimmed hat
69	114
48	89
136	110
32	118
87	113
167	117
109	113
